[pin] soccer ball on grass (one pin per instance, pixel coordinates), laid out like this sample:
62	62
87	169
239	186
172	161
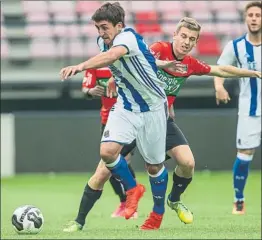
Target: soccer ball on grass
27	220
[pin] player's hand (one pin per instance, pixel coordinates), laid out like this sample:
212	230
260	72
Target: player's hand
222	96
176	66
258	74
97	91
111	88
70	71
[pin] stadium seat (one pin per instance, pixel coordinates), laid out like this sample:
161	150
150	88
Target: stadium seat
202	17
61	6
4	48
196	6
43	48
148	28
91	48
32	17
65	17
71	48
89	30
169	28
67	30
227	15
35	6
207	27
240	5
172	17
230	29
208	45
141	6
39	31
146	16
169	6
87	7
223	5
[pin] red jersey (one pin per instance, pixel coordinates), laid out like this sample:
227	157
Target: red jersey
100	76
175	80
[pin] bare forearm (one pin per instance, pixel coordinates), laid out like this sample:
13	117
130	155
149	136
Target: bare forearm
161	63
218	82
231	71
99	61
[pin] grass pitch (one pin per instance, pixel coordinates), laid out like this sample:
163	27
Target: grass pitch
209	196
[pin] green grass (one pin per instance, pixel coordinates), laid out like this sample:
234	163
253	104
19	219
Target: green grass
209	197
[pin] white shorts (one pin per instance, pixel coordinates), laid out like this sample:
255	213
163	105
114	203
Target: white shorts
148	128
248	132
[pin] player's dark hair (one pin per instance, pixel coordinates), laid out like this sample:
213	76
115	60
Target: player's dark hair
253	4
111	12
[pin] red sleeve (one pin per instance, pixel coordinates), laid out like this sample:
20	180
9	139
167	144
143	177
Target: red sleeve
156	49
199	67
89	80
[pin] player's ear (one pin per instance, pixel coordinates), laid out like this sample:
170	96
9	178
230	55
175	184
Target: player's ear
175	35
119	26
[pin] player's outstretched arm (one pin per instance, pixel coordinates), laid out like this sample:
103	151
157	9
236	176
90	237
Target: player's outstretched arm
231	71
101	60
175	66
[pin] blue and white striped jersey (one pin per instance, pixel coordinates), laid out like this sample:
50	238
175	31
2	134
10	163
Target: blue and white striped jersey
242	53
139	89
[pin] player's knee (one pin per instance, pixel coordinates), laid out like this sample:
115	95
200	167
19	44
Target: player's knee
153	169
190	165
108	154
109	151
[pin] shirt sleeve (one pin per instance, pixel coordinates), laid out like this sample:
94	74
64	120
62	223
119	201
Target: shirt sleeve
199	67
156	49
127	40
228	55
89	80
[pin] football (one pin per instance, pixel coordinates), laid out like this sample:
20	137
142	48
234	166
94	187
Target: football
27	220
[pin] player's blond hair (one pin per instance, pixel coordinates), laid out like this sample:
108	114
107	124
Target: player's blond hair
189	23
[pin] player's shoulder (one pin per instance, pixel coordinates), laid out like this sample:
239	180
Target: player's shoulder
127	32
238	39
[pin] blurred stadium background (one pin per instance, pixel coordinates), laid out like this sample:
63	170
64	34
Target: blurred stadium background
38	38
48	127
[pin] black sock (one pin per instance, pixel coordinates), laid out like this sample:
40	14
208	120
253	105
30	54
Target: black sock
88	200
118	188
179	186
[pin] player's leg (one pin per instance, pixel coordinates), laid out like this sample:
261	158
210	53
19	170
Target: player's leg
248	138
178	149
92	192
118	187
121	129
151	144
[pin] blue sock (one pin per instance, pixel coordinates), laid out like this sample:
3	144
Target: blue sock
119	169
240	173
158	188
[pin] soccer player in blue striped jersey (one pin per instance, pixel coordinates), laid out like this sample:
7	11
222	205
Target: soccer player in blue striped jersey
141	109
245	52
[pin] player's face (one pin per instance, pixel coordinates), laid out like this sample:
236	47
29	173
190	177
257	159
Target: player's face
108	31
184	40
253	19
